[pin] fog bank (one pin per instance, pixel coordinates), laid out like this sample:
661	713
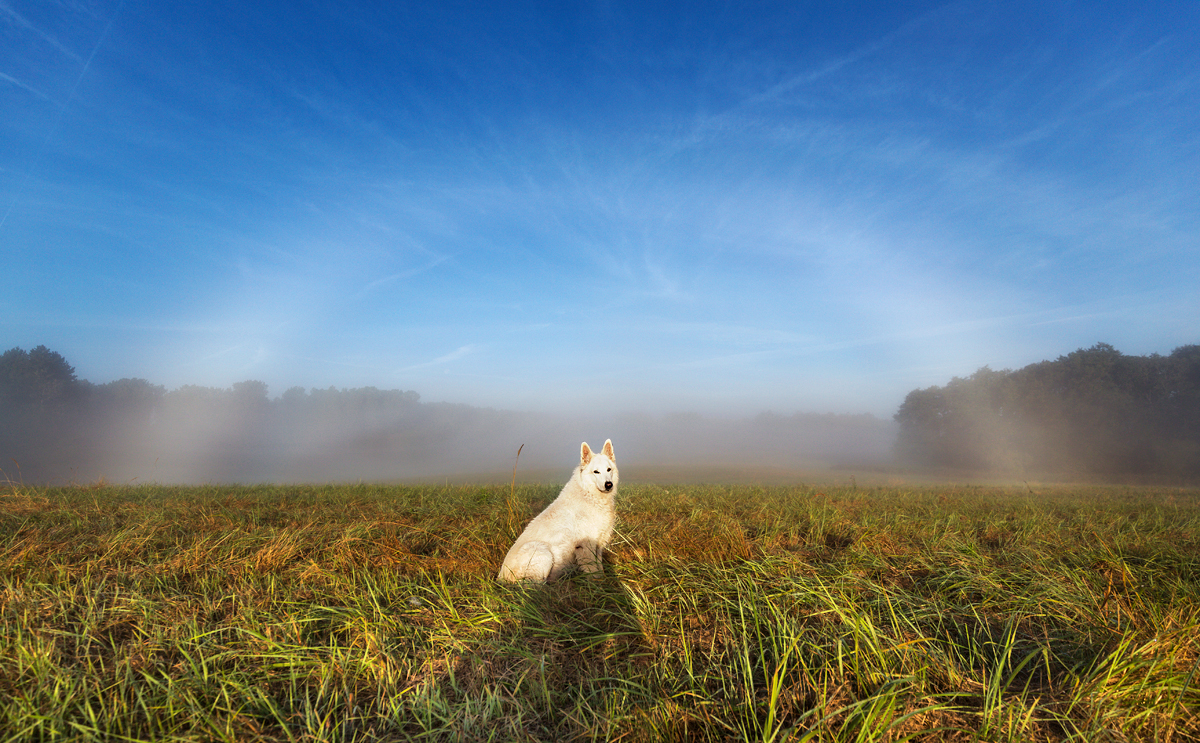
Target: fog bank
134	431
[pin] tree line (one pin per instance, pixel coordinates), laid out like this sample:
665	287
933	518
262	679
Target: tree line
55	427
61	428
1094	411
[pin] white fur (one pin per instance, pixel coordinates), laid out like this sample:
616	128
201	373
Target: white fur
574	529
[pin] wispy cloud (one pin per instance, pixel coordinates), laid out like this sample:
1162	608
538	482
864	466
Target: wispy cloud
731	333
454	355
19	20
14	81
407	274
224	352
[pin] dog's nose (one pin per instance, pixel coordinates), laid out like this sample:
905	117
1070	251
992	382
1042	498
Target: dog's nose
608	486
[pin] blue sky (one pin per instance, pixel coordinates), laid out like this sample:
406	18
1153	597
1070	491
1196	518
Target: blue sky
717	207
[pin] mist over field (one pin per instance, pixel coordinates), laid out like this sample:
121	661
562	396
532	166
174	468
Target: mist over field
61	429
201	435
1095	412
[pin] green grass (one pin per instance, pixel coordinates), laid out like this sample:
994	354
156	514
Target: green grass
364	613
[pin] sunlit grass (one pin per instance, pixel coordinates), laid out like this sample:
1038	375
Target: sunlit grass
726	613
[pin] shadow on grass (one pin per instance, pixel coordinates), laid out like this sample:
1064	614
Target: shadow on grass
592	616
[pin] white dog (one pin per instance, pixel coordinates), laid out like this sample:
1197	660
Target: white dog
574	529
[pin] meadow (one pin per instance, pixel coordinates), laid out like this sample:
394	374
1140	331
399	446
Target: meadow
820	612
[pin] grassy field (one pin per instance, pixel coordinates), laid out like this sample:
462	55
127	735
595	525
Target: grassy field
772	613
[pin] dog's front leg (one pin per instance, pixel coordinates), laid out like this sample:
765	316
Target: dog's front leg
588	556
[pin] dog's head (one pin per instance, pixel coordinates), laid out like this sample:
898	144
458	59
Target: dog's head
598	470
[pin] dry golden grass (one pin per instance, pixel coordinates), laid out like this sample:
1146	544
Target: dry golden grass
725	613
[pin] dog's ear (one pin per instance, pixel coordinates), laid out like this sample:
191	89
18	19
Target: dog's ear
607	450
585	454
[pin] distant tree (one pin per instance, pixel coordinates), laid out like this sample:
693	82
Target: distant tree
130	393
39	377
250	392
1181	382
40	405
920	439
1093	410
14	372
1181	406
